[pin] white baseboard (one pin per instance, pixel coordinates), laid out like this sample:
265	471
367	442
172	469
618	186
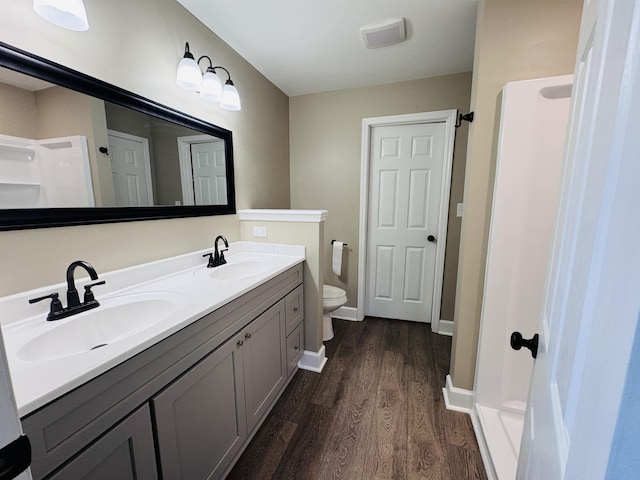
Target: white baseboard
445	327
313	361
346	313
482	445
461	400
457	399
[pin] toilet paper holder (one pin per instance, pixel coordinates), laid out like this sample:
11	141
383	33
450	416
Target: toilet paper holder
345	244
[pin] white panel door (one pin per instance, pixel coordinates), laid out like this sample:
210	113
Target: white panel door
404	206
209	173
131	169
592	301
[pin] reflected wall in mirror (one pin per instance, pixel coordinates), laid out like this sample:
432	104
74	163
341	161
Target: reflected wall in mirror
70	143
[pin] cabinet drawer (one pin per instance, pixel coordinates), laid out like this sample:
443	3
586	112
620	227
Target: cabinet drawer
294	304
295	348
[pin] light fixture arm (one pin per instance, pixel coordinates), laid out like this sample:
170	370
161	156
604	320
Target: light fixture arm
210	67
187	52
229	81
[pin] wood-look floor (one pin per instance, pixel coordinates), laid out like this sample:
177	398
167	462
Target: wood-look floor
376	411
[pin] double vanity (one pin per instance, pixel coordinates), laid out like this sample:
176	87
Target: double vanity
169	377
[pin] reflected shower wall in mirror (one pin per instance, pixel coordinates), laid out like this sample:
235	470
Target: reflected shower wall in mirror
130	158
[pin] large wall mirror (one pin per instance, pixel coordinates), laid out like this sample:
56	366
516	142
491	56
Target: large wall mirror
75	150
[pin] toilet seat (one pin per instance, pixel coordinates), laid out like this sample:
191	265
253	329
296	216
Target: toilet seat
330	292
333	296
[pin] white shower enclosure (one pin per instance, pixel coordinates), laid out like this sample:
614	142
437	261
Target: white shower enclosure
528	172
53	172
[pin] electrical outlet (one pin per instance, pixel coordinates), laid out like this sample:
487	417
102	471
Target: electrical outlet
260	232
459	210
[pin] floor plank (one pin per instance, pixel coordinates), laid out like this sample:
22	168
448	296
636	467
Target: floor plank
387	444
376	411
426	451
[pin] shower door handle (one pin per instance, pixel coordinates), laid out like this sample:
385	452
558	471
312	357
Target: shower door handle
517	342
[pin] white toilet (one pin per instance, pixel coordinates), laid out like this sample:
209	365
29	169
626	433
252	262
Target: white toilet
332	299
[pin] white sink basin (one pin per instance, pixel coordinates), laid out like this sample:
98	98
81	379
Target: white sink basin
236	270
114	320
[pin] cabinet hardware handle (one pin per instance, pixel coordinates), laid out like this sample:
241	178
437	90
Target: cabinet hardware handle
247	335
240	343
296	347
295	309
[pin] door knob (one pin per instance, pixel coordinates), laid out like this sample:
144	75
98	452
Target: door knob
517	342
431	238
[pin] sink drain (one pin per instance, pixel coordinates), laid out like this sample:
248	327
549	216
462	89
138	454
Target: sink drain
98	346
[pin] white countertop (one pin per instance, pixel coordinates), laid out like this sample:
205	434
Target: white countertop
184	281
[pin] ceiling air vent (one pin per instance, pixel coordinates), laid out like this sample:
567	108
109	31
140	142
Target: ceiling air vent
384	33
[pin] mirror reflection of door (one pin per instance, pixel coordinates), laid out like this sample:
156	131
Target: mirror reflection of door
131	169
203	170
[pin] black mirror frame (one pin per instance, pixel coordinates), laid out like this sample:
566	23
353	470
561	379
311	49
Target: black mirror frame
17	219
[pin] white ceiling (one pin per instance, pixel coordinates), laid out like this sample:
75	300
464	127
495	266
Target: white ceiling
309	46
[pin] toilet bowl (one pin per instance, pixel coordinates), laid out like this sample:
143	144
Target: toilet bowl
332	299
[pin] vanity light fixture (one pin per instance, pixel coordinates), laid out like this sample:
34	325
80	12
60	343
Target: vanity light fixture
69	14
190	77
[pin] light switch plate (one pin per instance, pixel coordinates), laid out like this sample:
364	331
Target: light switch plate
459	210
260	232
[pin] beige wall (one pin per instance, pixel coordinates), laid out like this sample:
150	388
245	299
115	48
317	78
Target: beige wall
515	40
19	112
310	235
326	133
137	46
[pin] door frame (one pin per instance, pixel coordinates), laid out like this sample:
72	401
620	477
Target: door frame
186	169
447	117
146	158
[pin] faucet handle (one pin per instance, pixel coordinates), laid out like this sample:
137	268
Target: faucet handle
56	304
222	260
211	264
88	294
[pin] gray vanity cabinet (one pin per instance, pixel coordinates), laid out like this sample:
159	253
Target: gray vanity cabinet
206	388
125	452
204	417
265	369
200	418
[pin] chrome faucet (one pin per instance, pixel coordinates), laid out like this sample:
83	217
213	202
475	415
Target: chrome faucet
56	310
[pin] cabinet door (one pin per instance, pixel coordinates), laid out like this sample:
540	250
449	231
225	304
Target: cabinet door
294	304
264	362
125	452
200	418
